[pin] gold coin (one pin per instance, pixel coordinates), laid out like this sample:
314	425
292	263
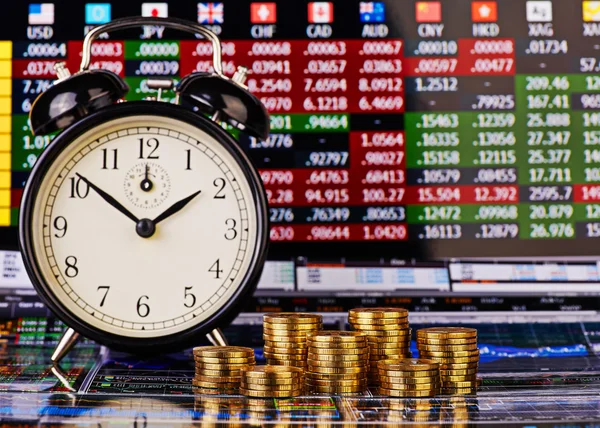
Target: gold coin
218	373
339	364
337	389
457	378
341	345
367	329
402	393
286	357
284	339
459	384
223	351
459	390
292	318
447	348
409	380
388	351
205	384
274	381
288	328
225	379
260	387
265	372
338	351
430	341
350	382
458	360
275	394
378	321
380	312
450	354
215	360
407	373
289	345
209	366
374	335
334	336
410	386
460	366
408	364
285	333
338	357
312	376
447	332
403	343
287	363
285	351
336	370
458	372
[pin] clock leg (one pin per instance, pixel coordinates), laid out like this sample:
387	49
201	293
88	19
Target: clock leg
66	342
217	338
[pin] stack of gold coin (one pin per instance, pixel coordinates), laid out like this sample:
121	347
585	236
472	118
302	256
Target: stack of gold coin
414	410
409	377
272	381
219	368
285	337
455	348
387	332
338	362
212	410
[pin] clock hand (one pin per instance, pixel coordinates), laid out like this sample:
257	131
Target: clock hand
176	207
146	185
112	201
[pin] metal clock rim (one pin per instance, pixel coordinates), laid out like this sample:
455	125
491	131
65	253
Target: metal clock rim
154	345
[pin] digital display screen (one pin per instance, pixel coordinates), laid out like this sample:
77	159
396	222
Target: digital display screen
428	129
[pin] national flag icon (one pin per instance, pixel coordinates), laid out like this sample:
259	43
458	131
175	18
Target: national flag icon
484	11
538	11
41	14
428	11
263	13
320	12
591	11
97	13
372	11
210	13
156	10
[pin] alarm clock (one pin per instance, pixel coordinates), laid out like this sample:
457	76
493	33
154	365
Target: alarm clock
143	225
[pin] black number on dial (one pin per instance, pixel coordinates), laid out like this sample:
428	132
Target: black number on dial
105	157
143	309
191	296
60	224
106	288
231	232
71	271
152	144
216	269
220	183
188	159
79	188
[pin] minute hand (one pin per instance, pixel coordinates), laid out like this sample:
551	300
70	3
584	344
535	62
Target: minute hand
112	201
176	207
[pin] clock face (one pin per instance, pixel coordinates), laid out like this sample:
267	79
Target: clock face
101	267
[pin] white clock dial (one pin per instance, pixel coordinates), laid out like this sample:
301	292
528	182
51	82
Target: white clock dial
101	269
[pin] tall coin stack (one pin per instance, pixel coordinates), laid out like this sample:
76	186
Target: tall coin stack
219	368
272	381
409	377
387	333
338	362
455	348
285	337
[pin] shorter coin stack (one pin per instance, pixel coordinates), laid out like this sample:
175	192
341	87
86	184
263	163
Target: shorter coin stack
409	377
285	337
455	348
387	332
338	362
219	368
272	381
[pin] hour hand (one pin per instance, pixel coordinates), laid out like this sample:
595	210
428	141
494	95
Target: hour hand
176	207
112	201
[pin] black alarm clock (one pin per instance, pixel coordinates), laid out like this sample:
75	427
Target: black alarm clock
144	225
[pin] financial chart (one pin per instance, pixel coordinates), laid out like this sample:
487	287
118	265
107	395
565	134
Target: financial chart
432	123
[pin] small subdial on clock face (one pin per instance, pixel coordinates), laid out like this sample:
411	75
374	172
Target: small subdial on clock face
147	185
